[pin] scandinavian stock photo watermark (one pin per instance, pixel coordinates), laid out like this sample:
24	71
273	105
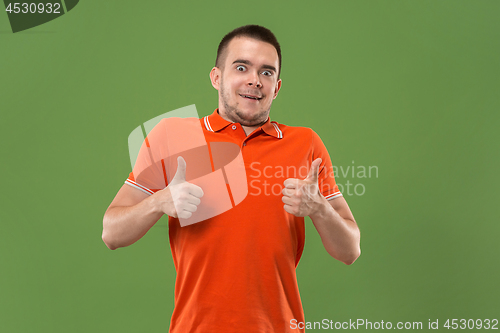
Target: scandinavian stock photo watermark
25	15
350	179
366	324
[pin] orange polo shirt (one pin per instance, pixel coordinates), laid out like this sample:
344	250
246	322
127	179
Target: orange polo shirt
236	271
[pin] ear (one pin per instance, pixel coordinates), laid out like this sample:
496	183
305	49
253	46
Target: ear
278	87
215	75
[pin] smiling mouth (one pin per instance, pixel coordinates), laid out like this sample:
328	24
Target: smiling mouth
251	97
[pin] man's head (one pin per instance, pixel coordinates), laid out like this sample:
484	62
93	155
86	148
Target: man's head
246	74
251	31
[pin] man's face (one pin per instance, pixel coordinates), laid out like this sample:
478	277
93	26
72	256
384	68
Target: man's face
248	81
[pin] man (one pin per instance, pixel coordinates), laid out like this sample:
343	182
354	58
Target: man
236	271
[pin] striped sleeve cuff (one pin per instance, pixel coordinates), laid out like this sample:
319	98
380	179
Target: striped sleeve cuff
139	186
333	195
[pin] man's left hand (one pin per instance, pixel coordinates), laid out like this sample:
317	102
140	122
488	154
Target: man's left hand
302	197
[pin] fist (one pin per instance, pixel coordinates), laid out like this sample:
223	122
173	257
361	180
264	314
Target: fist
301	196
185	196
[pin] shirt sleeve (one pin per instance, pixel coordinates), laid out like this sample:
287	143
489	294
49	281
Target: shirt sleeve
326	177
148	173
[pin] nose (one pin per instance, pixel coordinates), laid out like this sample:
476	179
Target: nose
254	80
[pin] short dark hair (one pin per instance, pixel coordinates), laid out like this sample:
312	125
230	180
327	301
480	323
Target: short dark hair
252	31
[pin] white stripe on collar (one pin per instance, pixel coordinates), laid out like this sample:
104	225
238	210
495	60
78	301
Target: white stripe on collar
207	124
278	131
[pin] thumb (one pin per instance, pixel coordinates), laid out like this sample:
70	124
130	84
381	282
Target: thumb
314	171
180	174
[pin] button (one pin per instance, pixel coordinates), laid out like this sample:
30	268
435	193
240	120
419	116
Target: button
244	144
233	127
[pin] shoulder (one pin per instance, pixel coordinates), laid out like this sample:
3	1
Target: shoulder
297	132
294	130
179	123
174	127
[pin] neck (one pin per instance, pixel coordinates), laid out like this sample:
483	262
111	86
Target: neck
248	129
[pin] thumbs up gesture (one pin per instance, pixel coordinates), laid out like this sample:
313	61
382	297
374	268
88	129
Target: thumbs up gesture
184	196
302	197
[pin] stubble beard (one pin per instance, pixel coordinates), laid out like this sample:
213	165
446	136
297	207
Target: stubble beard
236	115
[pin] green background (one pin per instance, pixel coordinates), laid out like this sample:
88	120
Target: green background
411	87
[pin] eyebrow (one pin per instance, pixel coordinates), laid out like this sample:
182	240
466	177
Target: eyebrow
247	62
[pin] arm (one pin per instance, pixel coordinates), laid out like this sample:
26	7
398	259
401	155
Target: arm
132	213
338	229
333	220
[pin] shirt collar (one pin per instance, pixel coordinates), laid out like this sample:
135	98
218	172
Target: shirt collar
215	123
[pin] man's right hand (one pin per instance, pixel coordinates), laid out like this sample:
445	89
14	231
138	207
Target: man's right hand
132	212
182	195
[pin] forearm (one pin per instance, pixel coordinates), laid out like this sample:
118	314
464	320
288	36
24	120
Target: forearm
124	225
340	236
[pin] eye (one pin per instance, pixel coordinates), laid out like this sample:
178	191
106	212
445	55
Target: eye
240	68
267	73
